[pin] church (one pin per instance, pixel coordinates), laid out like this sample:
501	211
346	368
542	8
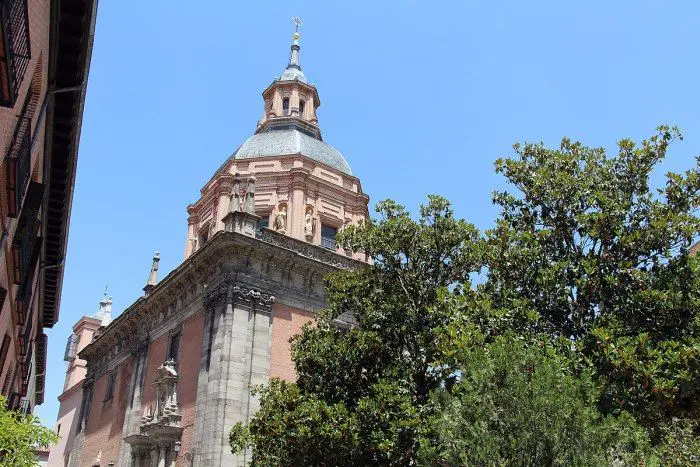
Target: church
167	379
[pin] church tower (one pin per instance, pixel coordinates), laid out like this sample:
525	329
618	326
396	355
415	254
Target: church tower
170	376
304	187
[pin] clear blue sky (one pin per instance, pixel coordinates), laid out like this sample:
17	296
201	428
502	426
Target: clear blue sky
420	97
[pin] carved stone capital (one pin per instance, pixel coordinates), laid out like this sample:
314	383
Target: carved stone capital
247	296
230	291
215	297
139	347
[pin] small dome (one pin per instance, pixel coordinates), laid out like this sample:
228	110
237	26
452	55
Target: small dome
289	142
293	74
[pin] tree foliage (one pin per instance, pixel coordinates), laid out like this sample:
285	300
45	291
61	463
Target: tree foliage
602	259
371	384
20	435
578	345
520	403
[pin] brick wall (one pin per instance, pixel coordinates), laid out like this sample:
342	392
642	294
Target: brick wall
156	357
35	76
287	321
103	433
188	373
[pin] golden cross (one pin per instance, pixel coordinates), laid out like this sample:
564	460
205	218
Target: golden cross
297	22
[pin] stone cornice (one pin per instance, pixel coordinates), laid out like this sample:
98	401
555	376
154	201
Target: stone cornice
296	176
71	390
272	262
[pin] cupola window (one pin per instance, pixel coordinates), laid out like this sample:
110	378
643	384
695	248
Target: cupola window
302	105
285	106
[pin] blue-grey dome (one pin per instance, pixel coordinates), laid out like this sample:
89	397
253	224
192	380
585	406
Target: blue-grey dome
293	74
291	141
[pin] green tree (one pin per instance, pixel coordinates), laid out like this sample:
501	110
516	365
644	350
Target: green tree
588	312
20	435
601	258
361	393
519	403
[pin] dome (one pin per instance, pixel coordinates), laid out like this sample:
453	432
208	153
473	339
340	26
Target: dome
292	141
293	74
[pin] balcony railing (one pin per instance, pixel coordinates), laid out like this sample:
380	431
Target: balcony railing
328	242
26	247
19	159
15	49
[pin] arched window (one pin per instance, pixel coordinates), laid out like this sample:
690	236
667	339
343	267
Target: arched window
302	105
285	106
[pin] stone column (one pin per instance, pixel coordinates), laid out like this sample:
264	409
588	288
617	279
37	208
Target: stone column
240	345
154	455
312	109
294	103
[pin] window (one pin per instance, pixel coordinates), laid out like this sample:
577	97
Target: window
8	382
328	236
15	51
263	223
285	106
58	430
202	238
111	380
3	294
19	157
302	106
174	347
3	350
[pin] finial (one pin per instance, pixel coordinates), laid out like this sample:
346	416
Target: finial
294	53
104	314
153	276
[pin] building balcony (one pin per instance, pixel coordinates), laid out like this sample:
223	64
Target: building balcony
19	158
15	50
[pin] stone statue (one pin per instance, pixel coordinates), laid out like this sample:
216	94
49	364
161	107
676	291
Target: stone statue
249	205
280	223
309	223
235	204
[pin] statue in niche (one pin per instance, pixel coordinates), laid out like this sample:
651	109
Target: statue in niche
235	204
249	205
280	223
309	223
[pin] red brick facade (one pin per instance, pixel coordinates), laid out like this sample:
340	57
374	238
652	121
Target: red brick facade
288	321
33	208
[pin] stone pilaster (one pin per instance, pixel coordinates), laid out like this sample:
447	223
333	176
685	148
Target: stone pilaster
236	356
133	409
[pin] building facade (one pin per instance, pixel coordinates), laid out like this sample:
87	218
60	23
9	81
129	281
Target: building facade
71	397
45	48
169	377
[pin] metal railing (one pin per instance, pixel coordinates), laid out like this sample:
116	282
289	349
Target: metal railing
15	49
328	242
19	161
